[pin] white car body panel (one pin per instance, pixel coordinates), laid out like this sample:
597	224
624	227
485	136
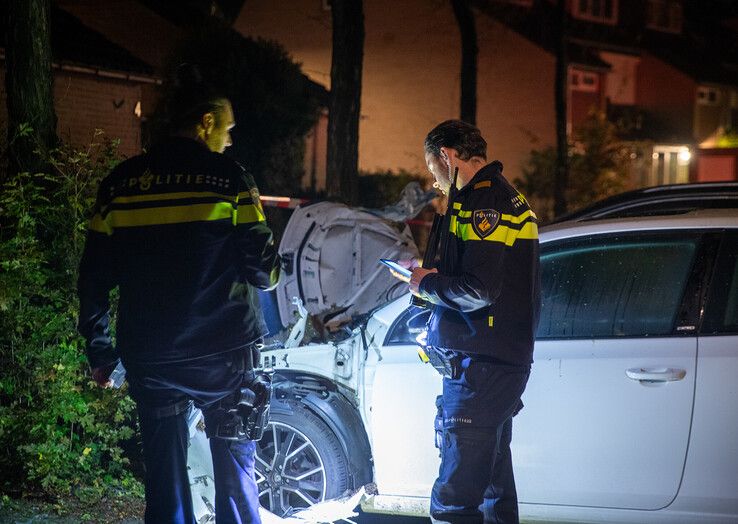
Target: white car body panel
402	412
673	447
559	437
711	473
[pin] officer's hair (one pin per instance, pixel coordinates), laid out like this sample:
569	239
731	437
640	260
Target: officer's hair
455	134
192	98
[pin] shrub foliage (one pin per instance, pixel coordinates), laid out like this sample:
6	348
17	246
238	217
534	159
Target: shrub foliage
274	104
598	167
59	433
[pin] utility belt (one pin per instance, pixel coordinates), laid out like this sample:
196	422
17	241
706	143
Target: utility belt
446	361
244	414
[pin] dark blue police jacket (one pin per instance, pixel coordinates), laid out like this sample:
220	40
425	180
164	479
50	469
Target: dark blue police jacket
180	230
486	293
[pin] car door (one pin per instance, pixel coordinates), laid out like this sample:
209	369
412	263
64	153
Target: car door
711	474
609	403
402	410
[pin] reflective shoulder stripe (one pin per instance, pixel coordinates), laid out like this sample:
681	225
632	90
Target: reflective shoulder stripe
508	230
503	234
155	216
518	219
148	197
483	183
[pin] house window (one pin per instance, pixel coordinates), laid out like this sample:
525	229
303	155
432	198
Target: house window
603	11
670	165
664	15
708	96
584	81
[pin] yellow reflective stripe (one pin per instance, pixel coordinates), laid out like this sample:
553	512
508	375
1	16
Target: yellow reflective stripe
99	225
249	213
508	218
484	183
457	205
518	219
503	234
148	197
245	194
168	215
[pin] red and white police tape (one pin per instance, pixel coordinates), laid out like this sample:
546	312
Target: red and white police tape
276	201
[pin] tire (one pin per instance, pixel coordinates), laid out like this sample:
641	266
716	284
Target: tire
309	466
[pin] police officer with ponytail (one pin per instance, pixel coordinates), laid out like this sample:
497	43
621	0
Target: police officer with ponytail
181	233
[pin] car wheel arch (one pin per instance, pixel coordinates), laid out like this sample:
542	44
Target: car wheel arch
322	397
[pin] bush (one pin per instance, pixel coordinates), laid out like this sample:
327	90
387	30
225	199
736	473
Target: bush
274	104
598	167
60	434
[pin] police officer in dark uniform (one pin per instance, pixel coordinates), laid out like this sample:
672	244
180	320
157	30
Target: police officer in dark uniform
181	232
485	293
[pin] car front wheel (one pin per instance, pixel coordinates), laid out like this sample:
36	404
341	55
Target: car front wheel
299	462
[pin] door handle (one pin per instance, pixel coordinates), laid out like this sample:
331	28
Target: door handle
656	374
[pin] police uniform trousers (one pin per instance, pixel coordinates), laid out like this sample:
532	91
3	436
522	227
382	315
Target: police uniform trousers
164	394
473	431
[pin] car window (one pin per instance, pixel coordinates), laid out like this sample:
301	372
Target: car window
613	286
721	314
407	327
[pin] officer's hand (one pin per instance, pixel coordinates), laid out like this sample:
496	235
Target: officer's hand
102	375
408	264
418	274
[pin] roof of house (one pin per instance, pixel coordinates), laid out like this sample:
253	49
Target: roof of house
534	23
73	43
706	50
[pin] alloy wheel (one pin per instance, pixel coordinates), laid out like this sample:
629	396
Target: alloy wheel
289	471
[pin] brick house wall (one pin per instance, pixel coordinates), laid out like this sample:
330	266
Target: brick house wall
583	101
84	102
668	94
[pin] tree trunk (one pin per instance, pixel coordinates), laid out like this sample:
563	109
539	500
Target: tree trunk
469	52
561	176
29	85
345	101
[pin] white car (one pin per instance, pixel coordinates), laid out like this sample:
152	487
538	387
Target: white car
631	411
